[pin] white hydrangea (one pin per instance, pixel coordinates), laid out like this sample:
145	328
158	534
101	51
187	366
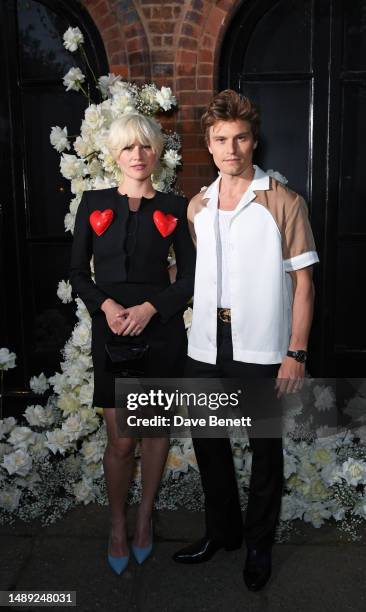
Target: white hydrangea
7	359
39	384
64	291
58	138
73	79
18	462
73	38
165	98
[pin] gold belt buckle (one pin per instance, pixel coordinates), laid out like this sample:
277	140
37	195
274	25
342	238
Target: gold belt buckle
224	314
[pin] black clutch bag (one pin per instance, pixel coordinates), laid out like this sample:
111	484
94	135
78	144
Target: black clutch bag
125	354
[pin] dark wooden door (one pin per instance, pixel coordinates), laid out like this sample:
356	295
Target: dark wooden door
304	63
34	252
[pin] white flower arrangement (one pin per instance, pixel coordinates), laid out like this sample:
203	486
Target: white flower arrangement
52	460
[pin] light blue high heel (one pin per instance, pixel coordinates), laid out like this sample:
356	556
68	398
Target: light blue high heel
142	553
118	564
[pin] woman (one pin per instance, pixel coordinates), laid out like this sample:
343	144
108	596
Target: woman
132	296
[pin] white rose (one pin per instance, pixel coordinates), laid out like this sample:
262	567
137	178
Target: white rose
73	427
120	88
68	403
86	394
78	185
81	336
18	462
120	102
172	158
7	359
6	425
72	167
58	138
82	311
93	451
73	38
9	499
106	82
39	384
58	382
57	441
187	317
315	514
94	119
73	79
165	98
69	222
21	437
83	146
64	291
38	449
354	472
38	416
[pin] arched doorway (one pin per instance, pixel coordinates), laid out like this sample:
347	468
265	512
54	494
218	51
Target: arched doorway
34	253
304	63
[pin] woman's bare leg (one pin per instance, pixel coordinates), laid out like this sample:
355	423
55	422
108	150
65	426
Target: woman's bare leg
154	452
118	463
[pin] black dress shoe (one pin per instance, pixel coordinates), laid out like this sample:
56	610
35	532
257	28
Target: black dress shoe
257	568
202	550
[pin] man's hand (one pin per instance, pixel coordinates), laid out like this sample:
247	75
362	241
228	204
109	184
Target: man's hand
136	318
114	313
290	377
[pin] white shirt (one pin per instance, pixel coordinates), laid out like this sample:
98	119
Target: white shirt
269	235
223	274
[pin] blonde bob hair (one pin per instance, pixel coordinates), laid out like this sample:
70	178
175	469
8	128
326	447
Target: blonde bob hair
123	132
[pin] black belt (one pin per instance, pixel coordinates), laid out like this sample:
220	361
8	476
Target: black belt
224	314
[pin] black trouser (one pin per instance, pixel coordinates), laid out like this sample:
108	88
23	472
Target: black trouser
215	461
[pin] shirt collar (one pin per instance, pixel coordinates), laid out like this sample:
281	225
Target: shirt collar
260	182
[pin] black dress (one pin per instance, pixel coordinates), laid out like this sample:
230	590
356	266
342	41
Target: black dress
140	251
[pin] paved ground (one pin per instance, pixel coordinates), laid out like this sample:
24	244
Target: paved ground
316	571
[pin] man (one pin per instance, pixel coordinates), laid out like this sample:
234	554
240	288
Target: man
252	313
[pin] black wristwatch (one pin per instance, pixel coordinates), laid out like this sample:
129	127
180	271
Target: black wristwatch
298	355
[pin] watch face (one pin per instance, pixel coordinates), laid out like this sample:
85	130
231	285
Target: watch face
300	356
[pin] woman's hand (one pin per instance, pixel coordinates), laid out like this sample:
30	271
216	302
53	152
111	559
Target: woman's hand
136	318
114	313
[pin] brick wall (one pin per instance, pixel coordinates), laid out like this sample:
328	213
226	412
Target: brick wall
174	43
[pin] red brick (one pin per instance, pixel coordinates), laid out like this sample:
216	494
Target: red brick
168	41
156	41
161	27
186	69
162	69
111	33
106	22
162	56
186	84
147	12
186	57
190	127
195	155
205	83
99	10
113	45
205	69
134	44
162	12
194	17
215	21
119	69
188	43
197	97
205	55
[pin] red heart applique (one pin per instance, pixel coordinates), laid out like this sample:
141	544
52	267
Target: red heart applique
100	220
166	224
